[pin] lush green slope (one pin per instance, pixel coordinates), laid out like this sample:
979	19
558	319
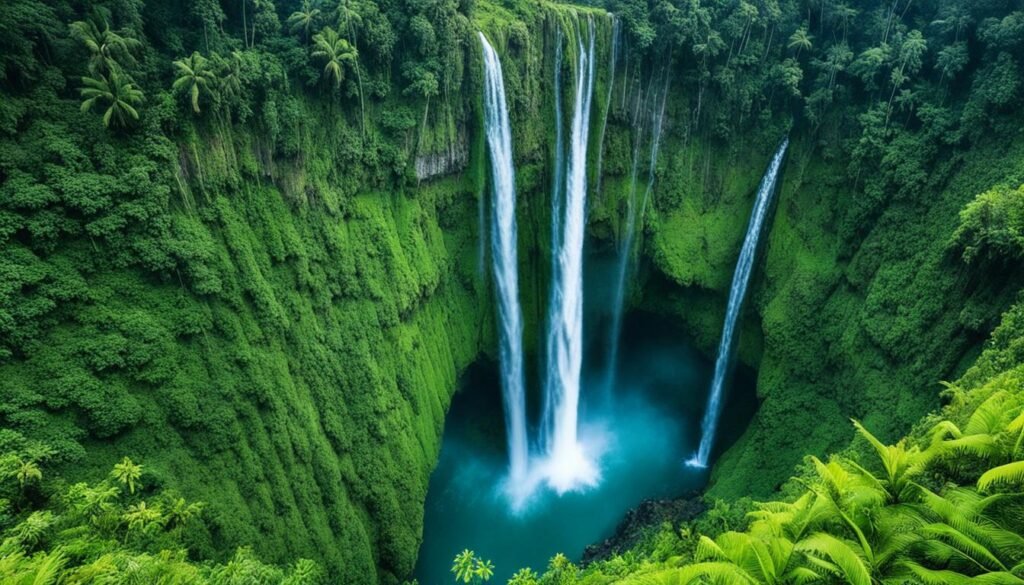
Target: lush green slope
834	331
290	365
250	303
858	291
942	505
259	300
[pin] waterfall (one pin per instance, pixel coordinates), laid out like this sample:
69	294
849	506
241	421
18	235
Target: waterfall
557	191
569	467
505	263
632	219
616	31
740	280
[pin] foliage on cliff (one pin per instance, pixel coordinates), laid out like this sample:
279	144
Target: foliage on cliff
117	530
892	137
214	262
942	505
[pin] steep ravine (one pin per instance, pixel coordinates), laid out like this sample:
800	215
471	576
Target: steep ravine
292	362
860	326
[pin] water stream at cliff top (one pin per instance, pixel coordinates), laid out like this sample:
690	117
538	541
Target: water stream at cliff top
506	266
568	464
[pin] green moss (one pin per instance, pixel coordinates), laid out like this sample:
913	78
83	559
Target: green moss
840	330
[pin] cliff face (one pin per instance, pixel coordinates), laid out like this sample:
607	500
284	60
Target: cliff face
292	372
267	310
841	323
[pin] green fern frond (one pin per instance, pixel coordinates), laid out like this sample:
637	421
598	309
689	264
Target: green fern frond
1009	474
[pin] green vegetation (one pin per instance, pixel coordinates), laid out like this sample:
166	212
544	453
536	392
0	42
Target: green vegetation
943	505
901	114
107	532
469	568
220	258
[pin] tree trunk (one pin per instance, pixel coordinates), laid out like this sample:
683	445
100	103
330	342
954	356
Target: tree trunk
245	28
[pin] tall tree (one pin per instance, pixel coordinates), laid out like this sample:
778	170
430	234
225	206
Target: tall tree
120	96
107	48
304	19
336	52
195	73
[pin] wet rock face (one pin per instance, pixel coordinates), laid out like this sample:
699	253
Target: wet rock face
638	522
451	160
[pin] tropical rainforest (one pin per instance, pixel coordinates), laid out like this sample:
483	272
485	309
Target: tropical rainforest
250	250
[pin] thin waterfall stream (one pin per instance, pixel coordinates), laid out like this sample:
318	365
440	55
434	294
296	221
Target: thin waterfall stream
568	466
737	294
519	499
505	263
633	219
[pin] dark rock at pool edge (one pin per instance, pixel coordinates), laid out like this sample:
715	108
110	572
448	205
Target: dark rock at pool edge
639	521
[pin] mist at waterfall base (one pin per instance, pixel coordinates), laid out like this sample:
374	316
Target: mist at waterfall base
646	430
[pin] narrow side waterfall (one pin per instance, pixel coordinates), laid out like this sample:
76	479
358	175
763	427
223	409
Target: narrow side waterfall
557	193
616	32
737	294
568	466
633	218
505	262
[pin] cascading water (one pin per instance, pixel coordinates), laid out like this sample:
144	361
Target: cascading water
616	31
505	263
737	294
557	191
568	466
632	219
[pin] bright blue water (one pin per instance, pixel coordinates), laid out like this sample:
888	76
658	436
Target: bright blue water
652	423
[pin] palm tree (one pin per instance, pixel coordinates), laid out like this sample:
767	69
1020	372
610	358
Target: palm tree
107	48
127	472
463	567
142	518
305	18
27	472
483	570
336	52
845	14
117	93
196	73
229	71
349	18
801	41
339	54
524	577
96	504
181	512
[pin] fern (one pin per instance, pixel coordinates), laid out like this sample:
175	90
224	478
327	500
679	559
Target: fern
1009	474
842	560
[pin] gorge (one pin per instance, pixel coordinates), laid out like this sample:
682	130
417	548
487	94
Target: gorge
330	292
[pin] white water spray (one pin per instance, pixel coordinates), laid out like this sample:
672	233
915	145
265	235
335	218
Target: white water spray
569	467
505	263
738	292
